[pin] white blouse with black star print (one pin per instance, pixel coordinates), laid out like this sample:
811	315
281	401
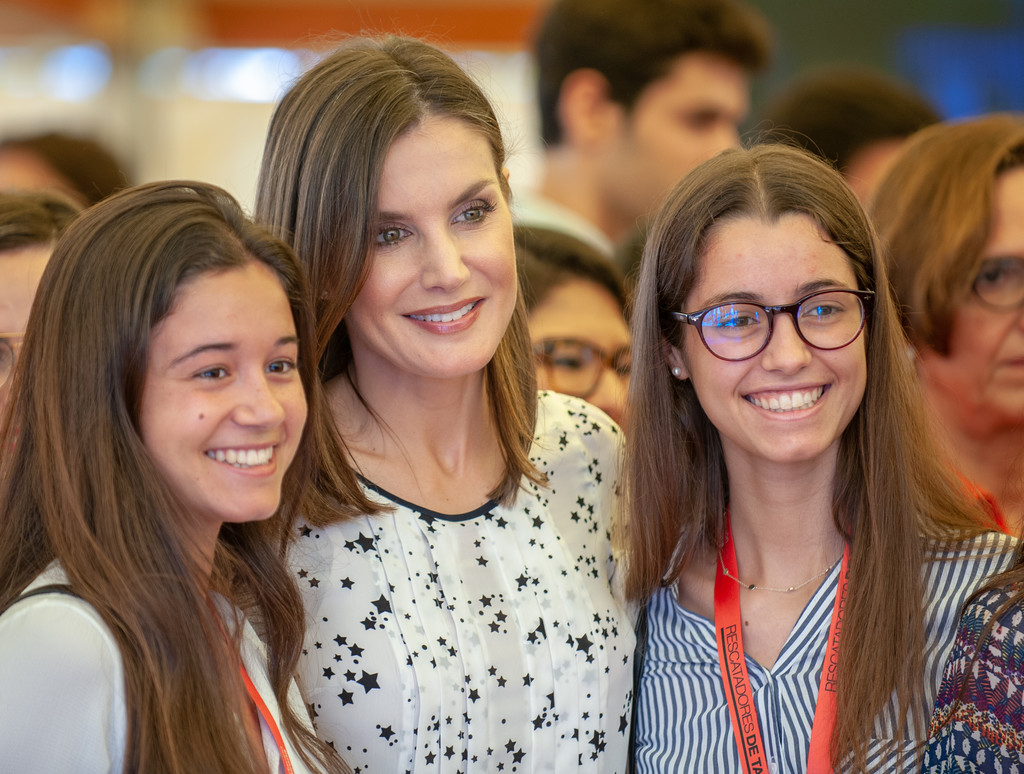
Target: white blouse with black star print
484	641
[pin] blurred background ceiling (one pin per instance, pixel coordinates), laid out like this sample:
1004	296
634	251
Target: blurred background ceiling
149	24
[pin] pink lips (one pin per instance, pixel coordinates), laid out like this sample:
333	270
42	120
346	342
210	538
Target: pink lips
451	318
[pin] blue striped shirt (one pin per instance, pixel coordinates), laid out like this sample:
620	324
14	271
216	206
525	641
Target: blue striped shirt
683	721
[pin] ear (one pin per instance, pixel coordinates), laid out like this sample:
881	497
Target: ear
586	110
674	357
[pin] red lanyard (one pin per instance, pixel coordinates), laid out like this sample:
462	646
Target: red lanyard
257	700
269	719
738	693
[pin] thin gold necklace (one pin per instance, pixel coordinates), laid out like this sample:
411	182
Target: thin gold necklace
782	590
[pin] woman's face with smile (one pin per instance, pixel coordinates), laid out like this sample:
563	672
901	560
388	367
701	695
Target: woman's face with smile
442	283
791	402
223	406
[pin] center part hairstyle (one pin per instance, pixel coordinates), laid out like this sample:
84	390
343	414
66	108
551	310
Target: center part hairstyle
78	485
318	189
677	486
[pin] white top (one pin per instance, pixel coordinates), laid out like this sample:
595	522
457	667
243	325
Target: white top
483	641
62	688
683	721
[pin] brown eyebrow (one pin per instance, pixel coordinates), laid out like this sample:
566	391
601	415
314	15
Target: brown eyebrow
470	191
753	298
223	347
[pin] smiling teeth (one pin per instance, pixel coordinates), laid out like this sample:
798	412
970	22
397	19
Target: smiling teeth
788	401
243	458
446	317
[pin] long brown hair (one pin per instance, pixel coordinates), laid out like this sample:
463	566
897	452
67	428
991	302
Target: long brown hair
318	189
78	486
933	212
676	482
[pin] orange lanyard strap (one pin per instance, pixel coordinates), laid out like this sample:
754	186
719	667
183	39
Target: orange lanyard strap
257	700
738	693
269	719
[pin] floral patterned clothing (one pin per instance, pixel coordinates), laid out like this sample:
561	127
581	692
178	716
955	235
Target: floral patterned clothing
984	730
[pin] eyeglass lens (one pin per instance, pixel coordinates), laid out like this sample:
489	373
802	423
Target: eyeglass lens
1000	282
574	367
827	320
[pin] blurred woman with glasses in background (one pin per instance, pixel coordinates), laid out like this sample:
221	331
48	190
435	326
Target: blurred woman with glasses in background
30	223
784	506
576	308
951	213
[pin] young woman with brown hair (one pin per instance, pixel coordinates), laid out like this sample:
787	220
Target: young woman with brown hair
458	598
777	437
157	408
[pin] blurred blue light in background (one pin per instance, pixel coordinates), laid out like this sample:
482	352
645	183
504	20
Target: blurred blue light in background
965	71
240	74
75	73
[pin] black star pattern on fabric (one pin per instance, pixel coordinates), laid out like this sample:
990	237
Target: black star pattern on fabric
368	681
365	542
394	626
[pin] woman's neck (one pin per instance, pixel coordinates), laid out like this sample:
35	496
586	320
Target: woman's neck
987	448
995	463
430	442
782	525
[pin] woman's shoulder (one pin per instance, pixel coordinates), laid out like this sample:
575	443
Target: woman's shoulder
1006	605
988	551
575	441
564	419
956	570
48	618
63	702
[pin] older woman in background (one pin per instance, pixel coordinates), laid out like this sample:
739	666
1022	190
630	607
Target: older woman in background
952	212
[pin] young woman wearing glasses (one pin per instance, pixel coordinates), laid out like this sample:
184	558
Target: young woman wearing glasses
951	211
575	306
459	595
784	506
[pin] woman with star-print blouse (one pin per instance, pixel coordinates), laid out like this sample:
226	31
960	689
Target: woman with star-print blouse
461	617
